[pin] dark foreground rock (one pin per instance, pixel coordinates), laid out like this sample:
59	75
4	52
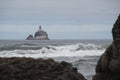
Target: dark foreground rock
37	69
108	67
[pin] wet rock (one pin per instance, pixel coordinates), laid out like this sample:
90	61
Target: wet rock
108	67
37	69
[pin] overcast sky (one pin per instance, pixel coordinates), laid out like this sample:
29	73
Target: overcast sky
62	19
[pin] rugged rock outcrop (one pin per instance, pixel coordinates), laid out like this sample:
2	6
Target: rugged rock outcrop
39	35
30	37
108	67
37	69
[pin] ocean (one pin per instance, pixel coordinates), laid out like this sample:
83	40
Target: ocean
83	54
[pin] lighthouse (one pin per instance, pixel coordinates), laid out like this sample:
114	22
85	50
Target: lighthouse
40	35
39	27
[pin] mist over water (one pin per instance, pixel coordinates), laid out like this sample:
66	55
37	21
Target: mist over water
83	54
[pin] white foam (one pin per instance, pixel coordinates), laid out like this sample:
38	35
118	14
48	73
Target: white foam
78	50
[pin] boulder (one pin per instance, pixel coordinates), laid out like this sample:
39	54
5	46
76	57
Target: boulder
108	66
37	69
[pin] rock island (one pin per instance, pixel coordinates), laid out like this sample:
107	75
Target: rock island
39	35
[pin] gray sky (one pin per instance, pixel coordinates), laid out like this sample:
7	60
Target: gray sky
62	19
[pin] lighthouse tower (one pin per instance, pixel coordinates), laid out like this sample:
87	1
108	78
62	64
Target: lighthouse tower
40	28
41	34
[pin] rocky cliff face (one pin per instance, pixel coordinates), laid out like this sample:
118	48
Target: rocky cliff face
108	67
37	69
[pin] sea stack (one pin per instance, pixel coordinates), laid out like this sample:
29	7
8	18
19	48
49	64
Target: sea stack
39	35
30	37
108	67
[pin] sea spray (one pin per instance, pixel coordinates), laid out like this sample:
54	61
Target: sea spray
79	49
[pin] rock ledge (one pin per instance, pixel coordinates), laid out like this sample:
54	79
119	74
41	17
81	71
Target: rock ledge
37	69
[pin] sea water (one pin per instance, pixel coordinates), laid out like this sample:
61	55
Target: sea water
83	54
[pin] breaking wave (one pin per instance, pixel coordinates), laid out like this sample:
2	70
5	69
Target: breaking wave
52	51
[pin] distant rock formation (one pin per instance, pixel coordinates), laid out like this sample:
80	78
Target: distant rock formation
30	37
108	67
39	35
37	69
